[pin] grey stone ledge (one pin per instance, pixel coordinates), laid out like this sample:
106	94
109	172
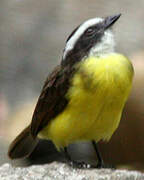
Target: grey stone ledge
60	171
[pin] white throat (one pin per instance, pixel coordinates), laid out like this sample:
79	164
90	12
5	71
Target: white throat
105	46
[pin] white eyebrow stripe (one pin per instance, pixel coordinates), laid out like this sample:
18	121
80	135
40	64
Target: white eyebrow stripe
71	42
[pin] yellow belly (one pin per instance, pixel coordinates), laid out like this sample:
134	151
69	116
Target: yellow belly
98	92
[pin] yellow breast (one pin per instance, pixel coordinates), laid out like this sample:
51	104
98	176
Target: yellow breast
98	92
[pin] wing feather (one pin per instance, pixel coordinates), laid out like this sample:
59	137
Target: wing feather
52	100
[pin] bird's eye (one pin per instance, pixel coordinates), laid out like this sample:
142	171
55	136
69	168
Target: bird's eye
90	31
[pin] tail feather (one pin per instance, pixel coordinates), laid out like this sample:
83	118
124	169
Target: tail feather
23	145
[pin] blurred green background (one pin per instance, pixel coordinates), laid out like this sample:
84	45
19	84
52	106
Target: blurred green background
32	38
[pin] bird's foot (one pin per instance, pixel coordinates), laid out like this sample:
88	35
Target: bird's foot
84	165
81	165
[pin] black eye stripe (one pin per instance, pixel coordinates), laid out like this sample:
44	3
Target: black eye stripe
92	30
89	31
86	40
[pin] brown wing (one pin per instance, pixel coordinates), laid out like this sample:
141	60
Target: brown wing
52	100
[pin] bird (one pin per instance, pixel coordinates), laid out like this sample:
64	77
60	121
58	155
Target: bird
84	96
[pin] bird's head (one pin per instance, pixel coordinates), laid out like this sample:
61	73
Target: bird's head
93	37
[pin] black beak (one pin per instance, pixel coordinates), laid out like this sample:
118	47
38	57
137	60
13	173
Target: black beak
110	20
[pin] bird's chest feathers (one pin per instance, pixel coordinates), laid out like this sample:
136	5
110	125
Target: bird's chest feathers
97	77
97	94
